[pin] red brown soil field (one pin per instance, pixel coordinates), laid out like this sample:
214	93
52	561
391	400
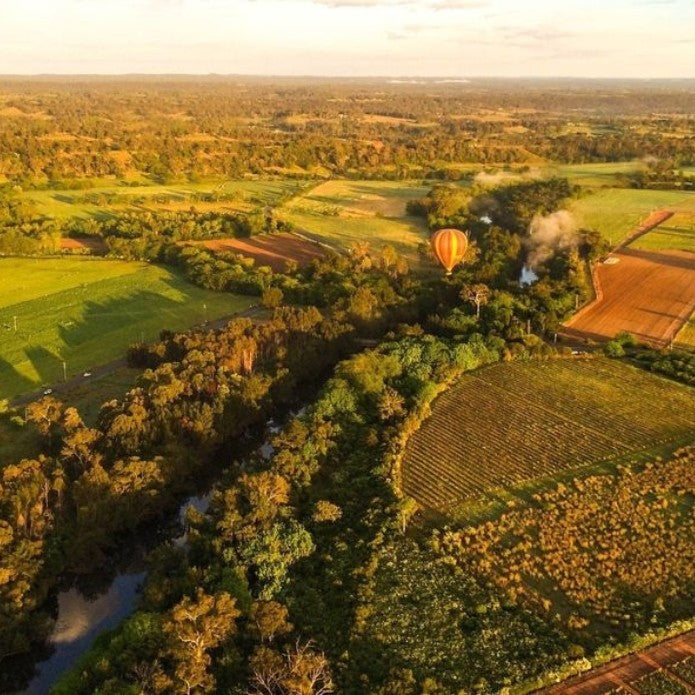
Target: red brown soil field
90	244
649	294
622	672
272	249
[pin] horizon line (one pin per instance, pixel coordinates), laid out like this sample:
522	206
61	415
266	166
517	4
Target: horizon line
451	78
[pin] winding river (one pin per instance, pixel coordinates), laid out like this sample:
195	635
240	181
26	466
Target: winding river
83	616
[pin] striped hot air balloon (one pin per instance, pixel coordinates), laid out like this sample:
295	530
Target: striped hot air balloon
449	245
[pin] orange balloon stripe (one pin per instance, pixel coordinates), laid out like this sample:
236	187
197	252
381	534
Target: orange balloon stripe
450	247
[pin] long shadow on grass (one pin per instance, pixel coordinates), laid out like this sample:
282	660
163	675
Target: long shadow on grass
101	319
12	383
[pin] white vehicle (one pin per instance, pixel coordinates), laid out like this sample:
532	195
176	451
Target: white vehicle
87	374
47	392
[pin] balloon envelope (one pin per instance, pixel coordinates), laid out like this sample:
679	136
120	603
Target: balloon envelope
449	245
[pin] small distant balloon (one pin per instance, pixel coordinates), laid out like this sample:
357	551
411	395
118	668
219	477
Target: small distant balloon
449	245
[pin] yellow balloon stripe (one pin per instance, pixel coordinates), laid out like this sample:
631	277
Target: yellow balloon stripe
450	247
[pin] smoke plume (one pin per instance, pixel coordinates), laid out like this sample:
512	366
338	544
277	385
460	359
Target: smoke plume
548	234
483	178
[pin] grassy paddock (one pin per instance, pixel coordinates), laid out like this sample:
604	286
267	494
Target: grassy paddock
344	212
246	195
615	212
87	312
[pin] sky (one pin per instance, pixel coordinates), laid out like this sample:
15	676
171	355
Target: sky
428	38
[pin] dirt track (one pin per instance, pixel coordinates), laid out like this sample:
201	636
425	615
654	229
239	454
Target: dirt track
649	294
622	672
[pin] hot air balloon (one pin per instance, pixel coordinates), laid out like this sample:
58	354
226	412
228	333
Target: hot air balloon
449	245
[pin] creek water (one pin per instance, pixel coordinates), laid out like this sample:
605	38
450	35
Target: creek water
84	615
527	277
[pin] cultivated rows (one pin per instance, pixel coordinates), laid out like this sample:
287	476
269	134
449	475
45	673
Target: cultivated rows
510	423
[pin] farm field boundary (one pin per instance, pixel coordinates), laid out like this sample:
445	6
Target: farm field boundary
470	443
623	672
273	250
648	294
652	222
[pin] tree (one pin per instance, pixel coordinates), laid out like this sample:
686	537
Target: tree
45	414
477	295
272	297
326	511
195	626
269	618
300	670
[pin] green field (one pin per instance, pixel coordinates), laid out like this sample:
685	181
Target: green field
594	174
615	212
245	195
686	336
678	232
511	423
342	213
86	312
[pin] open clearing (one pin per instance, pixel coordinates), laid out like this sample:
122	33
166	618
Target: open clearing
647	293
235	195
87	312
511	423
344	212
274	250
615	212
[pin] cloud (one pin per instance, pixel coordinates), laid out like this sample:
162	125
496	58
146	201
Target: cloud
362	3
459	4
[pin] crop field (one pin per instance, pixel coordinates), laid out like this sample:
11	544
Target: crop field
86	313
647	293
664	669
615	212
102	200
511	423
274	250
344	212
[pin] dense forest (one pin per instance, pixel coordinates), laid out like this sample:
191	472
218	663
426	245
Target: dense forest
56	133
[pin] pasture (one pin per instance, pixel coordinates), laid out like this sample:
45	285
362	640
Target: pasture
86	313
647	293
341	213
686	336
676	233
594	174
615	212
233	196
511	423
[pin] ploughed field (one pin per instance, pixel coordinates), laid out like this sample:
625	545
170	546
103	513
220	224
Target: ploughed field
274	250
86	312
510	423
650	294
664	669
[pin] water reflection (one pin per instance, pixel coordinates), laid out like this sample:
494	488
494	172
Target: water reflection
80	621
82	618
527	277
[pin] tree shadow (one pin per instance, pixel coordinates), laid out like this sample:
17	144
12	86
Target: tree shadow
101	319
12	382
675	259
